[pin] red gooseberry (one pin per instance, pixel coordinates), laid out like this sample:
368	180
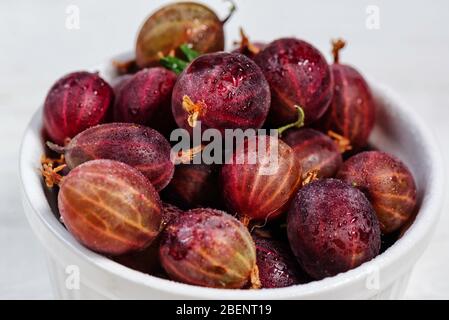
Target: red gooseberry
110	207
74	103
141	147
208	247
387	183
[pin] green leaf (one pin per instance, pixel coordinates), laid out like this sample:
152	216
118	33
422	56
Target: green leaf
175	64
178	65
189	52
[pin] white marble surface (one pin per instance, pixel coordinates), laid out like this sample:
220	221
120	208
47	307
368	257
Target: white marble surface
410	52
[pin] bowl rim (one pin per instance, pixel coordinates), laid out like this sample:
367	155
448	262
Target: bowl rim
428	214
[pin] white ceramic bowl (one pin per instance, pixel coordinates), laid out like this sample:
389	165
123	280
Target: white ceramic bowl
398	131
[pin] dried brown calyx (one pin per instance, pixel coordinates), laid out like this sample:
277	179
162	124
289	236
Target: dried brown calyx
337	45
194	109
125	66
245	220
254	278
188	155
343	143
245	44
170	54
310	176
50	169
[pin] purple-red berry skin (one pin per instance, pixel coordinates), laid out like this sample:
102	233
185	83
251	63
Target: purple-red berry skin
315	151
194	186
74	103
140	147
278	267
263	185
230	89
170	212
332	228
353	110
146	261
119	82
388	184
145	98
298	74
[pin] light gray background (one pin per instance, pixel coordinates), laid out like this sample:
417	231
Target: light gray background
410	52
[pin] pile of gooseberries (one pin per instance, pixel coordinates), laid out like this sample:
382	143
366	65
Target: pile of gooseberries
326	207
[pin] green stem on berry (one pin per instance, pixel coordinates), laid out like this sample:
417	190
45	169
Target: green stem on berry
297	124
232	9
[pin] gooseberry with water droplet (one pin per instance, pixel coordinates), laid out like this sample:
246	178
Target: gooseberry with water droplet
223	91
74	103
332	228
352	111
145	98
209	248
140	147
278	267
298	75
388	184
